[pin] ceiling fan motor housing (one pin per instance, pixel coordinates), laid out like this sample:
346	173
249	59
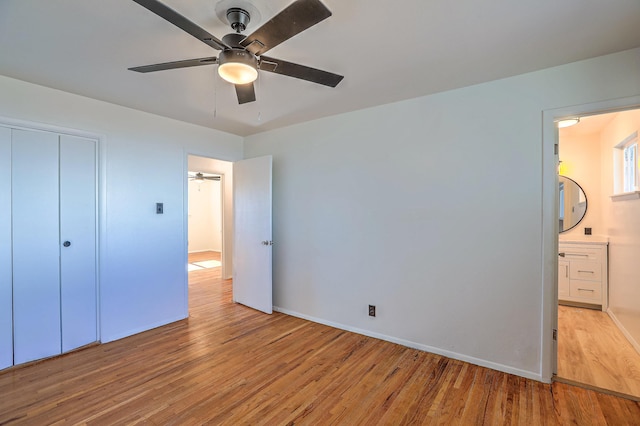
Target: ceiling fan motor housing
233	40
238	55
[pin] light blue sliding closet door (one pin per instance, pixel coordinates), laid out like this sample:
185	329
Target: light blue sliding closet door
36	253
78	236
6	310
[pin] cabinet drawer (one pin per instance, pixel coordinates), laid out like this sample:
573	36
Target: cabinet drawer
581	270
586	290
580	253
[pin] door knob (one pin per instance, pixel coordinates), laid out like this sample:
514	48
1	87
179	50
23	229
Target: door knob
66	243
267	243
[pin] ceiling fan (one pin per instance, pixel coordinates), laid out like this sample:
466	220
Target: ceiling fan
242	56
201	177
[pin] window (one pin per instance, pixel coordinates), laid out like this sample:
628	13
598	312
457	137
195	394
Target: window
626	170
631	168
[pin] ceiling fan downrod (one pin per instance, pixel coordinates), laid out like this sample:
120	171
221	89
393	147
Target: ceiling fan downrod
238	18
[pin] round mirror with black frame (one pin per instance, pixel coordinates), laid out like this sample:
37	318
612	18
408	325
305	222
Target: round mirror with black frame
573	203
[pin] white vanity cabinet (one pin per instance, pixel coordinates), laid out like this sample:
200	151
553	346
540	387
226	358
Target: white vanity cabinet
582	272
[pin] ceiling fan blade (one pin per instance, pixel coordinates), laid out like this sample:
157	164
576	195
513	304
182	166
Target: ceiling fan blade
246	93
183	23
176	64
295	18
290	69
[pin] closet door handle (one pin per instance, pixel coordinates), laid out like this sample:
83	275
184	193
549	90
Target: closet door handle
66	243
561	254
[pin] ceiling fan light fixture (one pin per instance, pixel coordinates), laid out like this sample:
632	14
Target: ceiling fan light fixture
238	73
238	66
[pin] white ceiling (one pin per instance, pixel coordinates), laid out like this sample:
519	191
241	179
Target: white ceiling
589	125
387	51
593	124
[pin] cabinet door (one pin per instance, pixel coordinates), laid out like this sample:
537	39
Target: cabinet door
6	309
563	279
36	254
78	228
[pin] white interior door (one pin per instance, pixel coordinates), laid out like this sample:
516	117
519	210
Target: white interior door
252	265
78	241
6	304
36	253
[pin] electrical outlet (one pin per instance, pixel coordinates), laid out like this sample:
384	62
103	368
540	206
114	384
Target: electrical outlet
587	231
372	310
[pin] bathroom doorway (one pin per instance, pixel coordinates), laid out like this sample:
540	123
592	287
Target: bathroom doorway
599	300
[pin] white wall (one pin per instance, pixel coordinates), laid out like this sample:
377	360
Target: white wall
6	261
143	161
431	209
205	216
622	218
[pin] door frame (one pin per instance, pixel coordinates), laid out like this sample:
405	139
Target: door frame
550	214
101	192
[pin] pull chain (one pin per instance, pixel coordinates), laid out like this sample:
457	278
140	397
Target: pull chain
215	95
258	96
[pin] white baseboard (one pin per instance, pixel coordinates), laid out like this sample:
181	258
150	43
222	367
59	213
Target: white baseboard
202	251
131	332
624	331
419	346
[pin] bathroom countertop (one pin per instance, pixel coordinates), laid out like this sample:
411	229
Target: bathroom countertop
586	239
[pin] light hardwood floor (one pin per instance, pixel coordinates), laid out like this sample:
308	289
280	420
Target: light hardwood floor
204	255
228	364
592	350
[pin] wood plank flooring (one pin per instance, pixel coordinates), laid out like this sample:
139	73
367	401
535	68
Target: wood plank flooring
592	350
231	365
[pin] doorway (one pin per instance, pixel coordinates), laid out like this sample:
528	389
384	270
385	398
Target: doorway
598	315
224	170
246	206
204	220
